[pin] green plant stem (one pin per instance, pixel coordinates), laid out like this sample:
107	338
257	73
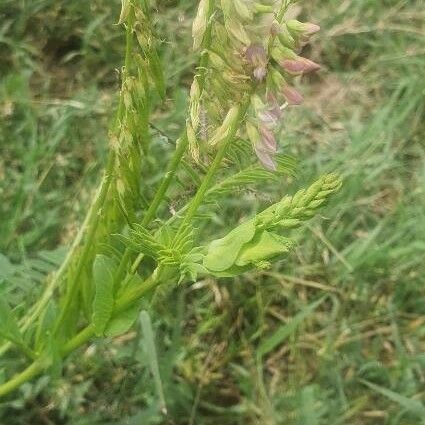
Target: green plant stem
222	150
38	365
181	148
92	226
30	372
93	220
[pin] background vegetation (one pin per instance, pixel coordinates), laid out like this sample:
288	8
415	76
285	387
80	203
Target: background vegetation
228	351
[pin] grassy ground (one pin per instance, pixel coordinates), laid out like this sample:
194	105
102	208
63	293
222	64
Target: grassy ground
229	352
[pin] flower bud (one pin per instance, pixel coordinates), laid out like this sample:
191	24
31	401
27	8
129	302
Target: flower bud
125	10
263	8
257	104
237	30
299	66
282	53
302	29
266	148
193	142
265	158
257	57
200	24
252	132
221	133
271	115
292	96
286	38
195	94
268	140
243	10
216	60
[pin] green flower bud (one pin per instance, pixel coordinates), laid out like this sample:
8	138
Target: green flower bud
200	24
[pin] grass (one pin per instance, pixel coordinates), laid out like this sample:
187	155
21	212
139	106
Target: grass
261	349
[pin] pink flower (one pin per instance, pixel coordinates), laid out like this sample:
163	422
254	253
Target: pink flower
310	29
302	29
299	66
257	57
266	148
260	73
292	96
265	159
272	113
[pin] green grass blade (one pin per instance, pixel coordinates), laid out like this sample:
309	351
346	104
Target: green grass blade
287	330
150	350
412	406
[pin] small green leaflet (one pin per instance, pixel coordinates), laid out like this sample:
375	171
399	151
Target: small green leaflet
122	321
9	328
103	303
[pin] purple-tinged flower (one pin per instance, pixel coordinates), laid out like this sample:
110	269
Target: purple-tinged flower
299	66
260	73
302	28
292	95
265	158
268	140
266	148
271	114
257	57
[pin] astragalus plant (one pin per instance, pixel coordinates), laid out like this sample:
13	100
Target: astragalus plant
128	244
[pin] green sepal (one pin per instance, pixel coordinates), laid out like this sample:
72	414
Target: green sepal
222	253
265	246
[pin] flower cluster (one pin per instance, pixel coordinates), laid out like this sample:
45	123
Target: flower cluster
251	44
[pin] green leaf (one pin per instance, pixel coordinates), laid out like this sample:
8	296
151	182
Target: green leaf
253	175
7	269
47	317
9	328
287	329
141	239
150	350
411	405
122	322
103	304
222	253
54	358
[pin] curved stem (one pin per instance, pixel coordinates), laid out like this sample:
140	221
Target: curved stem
30	372
73	289
38	366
